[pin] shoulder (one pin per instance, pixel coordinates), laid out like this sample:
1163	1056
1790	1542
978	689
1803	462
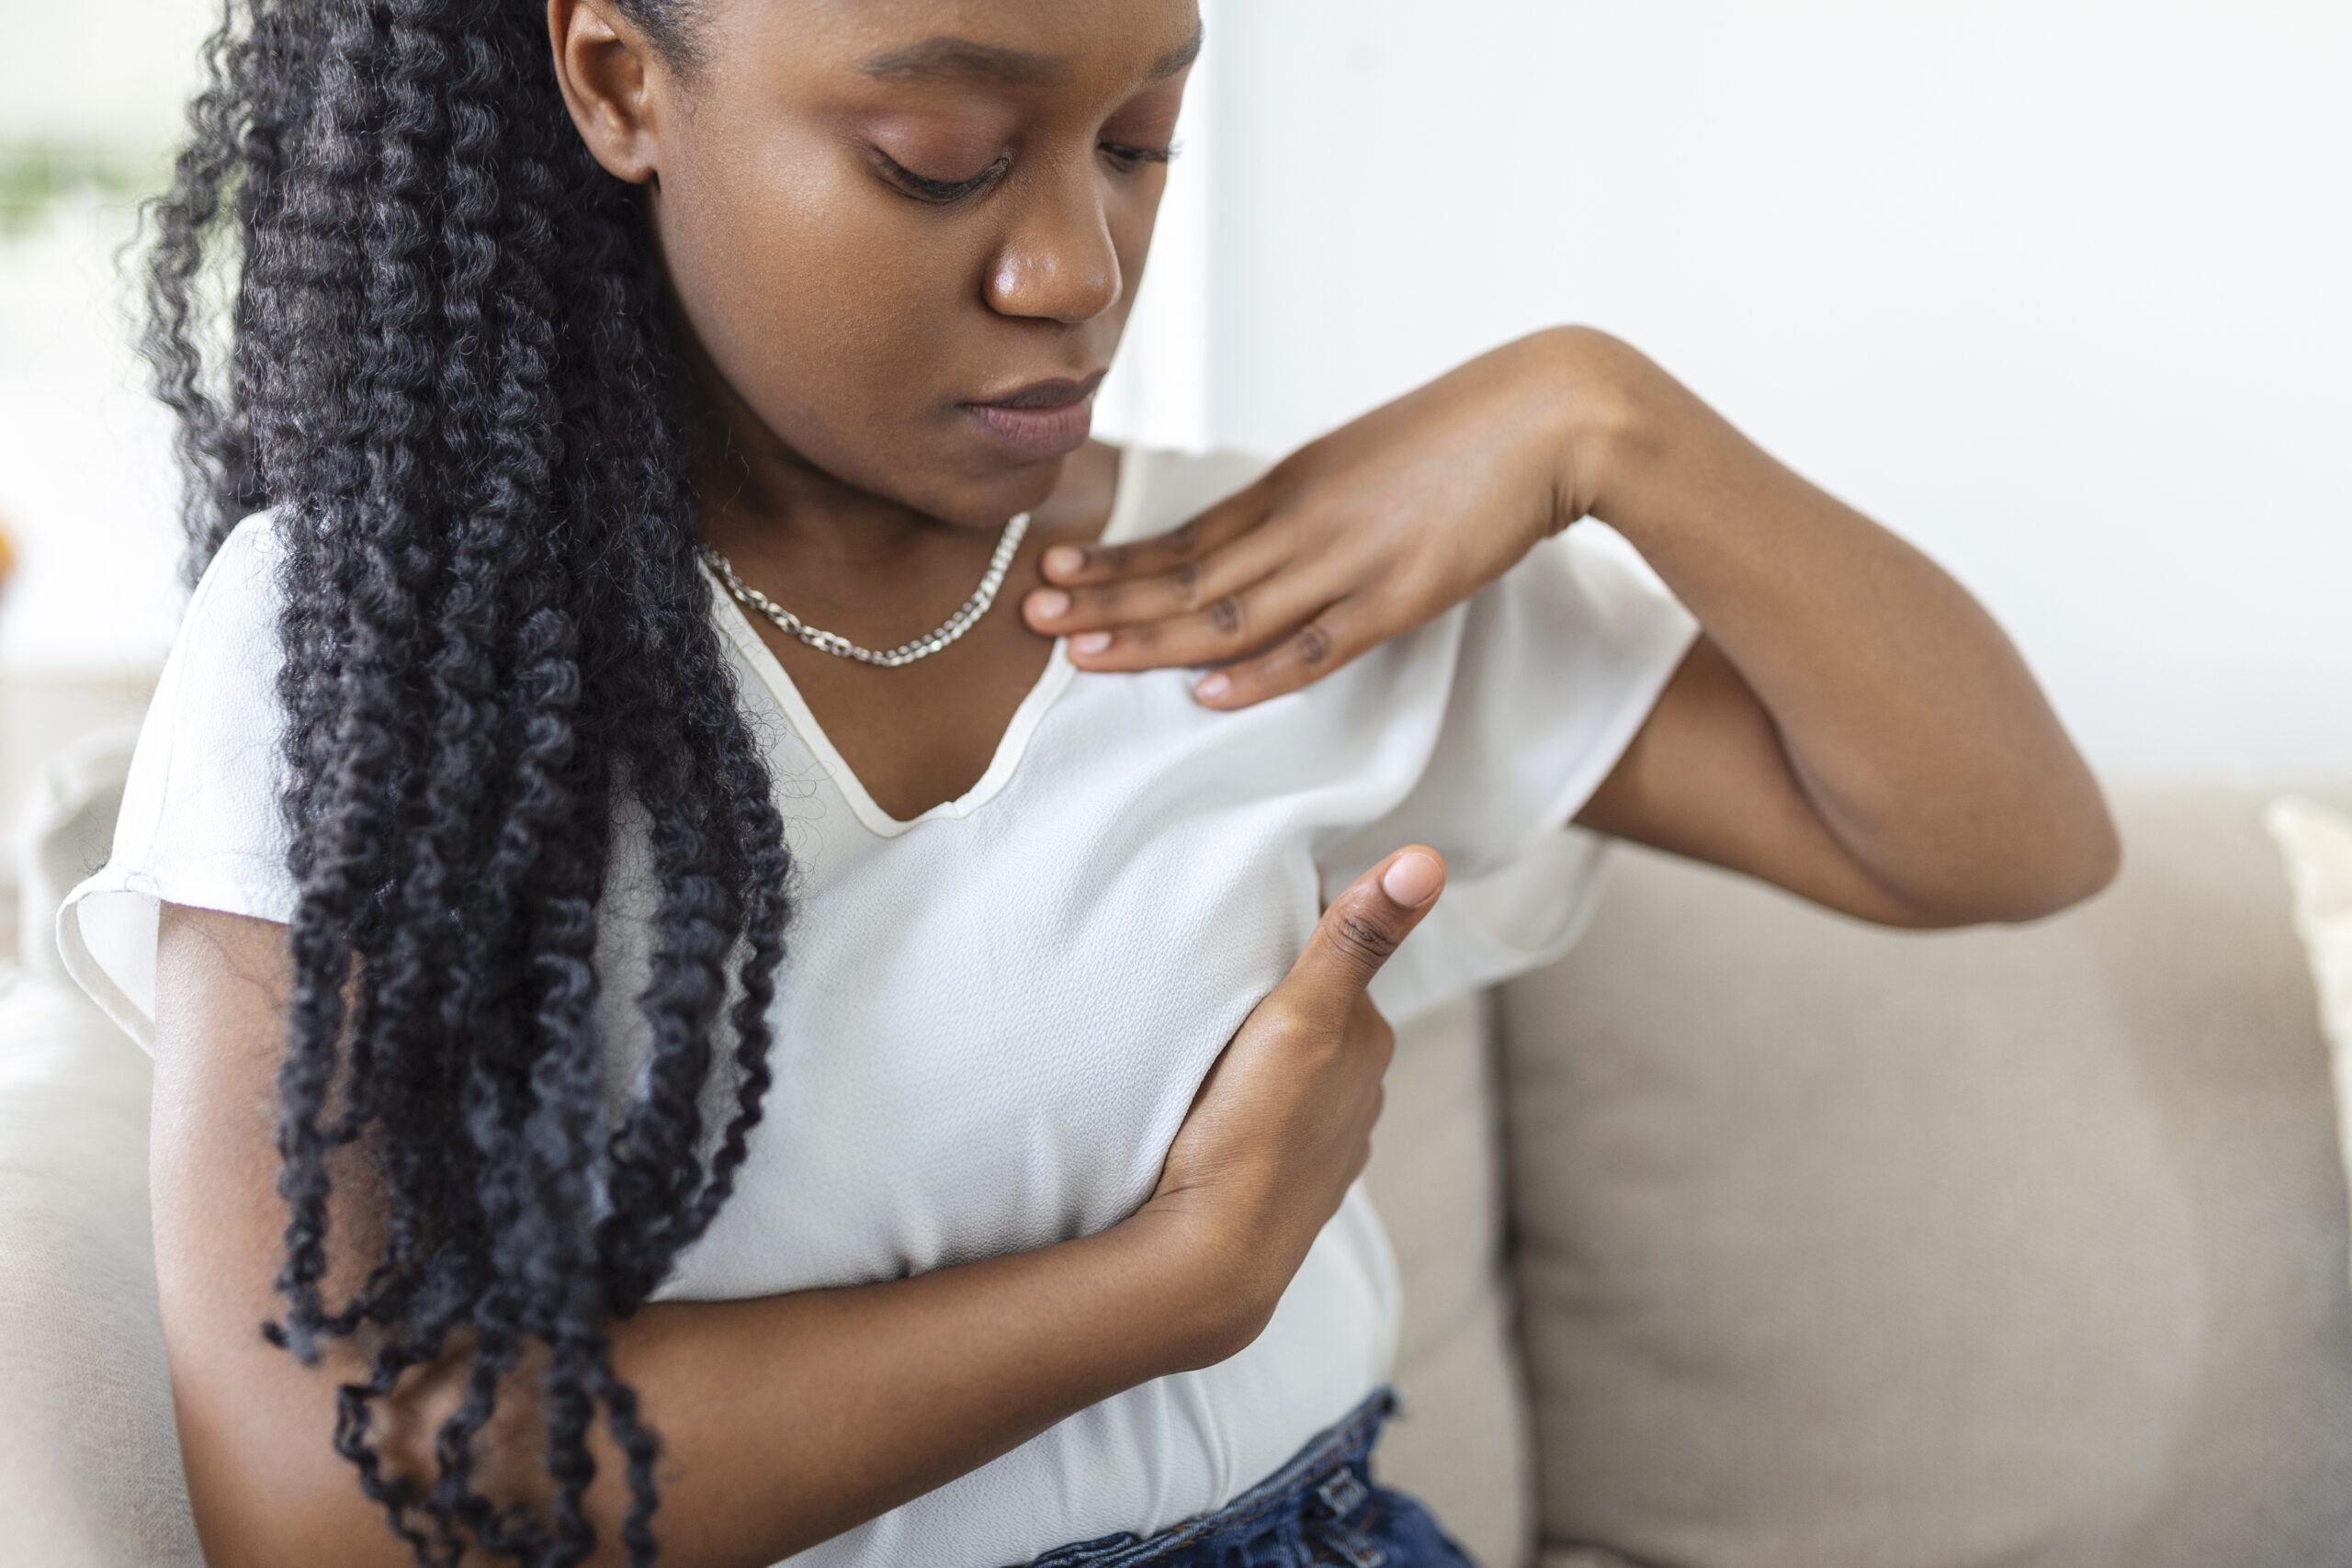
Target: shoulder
216	711
1577	641
246	564
1590	582
234	611
199	824
1163	487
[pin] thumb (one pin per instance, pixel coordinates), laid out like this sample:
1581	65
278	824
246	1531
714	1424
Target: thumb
1364	925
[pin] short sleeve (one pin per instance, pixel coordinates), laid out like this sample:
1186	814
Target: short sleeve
1556	666
200	822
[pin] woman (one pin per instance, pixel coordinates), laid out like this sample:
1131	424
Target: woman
613	392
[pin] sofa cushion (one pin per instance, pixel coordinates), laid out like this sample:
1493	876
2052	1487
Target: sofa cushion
1840	1247
65	831
89	1462
2318	846
1460	1440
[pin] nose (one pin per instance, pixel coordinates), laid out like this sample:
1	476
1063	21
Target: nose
1058	263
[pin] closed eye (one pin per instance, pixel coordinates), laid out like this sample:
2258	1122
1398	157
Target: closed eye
1130	158
938	193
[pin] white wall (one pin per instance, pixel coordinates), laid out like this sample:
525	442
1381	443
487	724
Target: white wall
87	485
2058	290
2055	289
115	71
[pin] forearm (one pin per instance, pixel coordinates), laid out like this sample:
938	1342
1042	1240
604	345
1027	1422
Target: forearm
787	1421
783	1420
1907	718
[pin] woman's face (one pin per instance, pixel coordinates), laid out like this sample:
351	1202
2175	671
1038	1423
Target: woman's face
905	234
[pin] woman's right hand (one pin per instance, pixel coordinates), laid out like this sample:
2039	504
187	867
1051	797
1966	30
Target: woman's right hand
785	1419
1282	1125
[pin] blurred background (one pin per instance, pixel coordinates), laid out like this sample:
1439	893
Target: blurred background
2060	289
2056	289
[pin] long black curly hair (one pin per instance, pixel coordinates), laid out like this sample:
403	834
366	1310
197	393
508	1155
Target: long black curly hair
394	299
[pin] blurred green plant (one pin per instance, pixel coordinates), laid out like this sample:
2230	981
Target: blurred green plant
36	177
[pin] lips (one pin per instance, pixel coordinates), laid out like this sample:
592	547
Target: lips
1043	419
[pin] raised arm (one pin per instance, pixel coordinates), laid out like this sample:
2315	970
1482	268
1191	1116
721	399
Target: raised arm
784	1420
1852	726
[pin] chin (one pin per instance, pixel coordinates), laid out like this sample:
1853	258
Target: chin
985	498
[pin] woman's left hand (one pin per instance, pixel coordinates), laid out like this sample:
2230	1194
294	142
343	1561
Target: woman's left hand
1374	529
1851	723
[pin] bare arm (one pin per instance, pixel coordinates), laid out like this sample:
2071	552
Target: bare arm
787	1420
1853	726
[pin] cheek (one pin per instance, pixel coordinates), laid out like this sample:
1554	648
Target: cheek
1132	225
814	299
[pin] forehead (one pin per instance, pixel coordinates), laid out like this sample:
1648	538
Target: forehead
1012	45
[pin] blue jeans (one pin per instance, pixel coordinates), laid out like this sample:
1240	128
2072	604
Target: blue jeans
1320	1508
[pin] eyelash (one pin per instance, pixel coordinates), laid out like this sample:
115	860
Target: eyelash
947	192
1135	157
941	193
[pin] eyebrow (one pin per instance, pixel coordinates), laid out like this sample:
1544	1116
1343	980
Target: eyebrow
955	59
1176	59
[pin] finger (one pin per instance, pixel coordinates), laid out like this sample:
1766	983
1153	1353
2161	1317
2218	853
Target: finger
1226	629
1332	640
1363	926
1371	1029
1181	590
1076	564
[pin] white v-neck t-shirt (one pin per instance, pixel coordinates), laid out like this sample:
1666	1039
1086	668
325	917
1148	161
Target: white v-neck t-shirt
993	1017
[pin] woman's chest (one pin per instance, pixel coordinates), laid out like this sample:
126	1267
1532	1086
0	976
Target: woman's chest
988	1026
973	1059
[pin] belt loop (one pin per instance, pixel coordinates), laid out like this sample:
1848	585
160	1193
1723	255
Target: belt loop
1342	1494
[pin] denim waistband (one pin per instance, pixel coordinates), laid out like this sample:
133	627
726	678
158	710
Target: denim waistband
1304	1512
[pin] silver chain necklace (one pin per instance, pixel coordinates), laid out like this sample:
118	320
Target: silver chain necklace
922	647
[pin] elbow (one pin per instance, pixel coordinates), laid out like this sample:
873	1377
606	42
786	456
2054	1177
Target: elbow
2030	870
2066	883
281	1517
2035	874
2103	859
2080	857
268	1490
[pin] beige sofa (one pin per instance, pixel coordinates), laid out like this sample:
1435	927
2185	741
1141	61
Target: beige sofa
1745	1237
1821	1246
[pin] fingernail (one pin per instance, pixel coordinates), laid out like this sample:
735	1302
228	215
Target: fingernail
1090	642
1412	879
1065	558
1212	689
1050	603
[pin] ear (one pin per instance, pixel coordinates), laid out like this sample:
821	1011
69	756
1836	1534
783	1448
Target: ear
611	76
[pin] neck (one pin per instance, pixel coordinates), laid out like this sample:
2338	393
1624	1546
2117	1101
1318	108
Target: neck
781	518
762	497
